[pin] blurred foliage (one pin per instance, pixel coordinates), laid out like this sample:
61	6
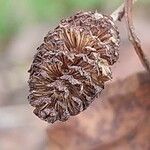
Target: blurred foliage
15	13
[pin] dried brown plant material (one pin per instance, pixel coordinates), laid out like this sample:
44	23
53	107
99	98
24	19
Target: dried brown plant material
118	14
114	124
71	66
133	37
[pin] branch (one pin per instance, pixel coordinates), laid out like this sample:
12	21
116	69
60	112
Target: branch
132	35
118	14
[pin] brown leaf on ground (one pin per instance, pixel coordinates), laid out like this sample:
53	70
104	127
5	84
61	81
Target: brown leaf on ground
120	121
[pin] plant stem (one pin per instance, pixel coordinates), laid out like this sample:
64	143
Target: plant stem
133	37
126	10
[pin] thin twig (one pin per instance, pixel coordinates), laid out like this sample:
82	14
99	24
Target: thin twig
118	14
132	35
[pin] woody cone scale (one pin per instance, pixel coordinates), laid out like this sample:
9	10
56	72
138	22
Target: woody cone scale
72	65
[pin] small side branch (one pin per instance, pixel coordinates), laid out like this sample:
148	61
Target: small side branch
126	10
118	14
133	37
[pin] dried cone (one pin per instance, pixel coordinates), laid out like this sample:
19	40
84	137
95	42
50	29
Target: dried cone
71	66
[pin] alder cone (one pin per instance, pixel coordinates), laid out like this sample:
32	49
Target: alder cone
71	66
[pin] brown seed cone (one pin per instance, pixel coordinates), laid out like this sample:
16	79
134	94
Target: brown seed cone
71	66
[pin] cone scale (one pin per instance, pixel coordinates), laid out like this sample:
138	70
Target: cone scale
72	65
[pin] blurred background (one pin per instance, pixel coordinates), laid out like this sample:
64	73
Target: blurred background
118	120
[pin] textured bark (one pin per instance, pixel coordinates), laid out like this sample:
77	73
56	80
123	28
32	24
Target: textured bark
120	121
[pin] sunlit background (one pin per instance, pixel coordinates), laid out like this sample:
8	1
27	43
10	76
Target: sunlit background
23	25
